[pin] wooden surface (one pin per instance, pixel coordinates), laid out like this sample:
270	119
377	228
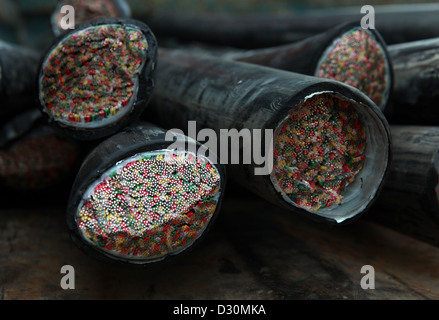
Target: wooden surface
255	251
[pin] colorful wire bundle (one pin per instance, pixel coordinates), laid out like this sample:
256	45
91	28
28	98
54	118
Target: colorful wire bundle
139	200
357	58
97	79
318	151
150	205
347	53
95	69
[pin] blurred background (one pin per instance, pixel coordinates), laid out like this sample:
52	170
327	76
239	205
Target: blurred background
27	21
